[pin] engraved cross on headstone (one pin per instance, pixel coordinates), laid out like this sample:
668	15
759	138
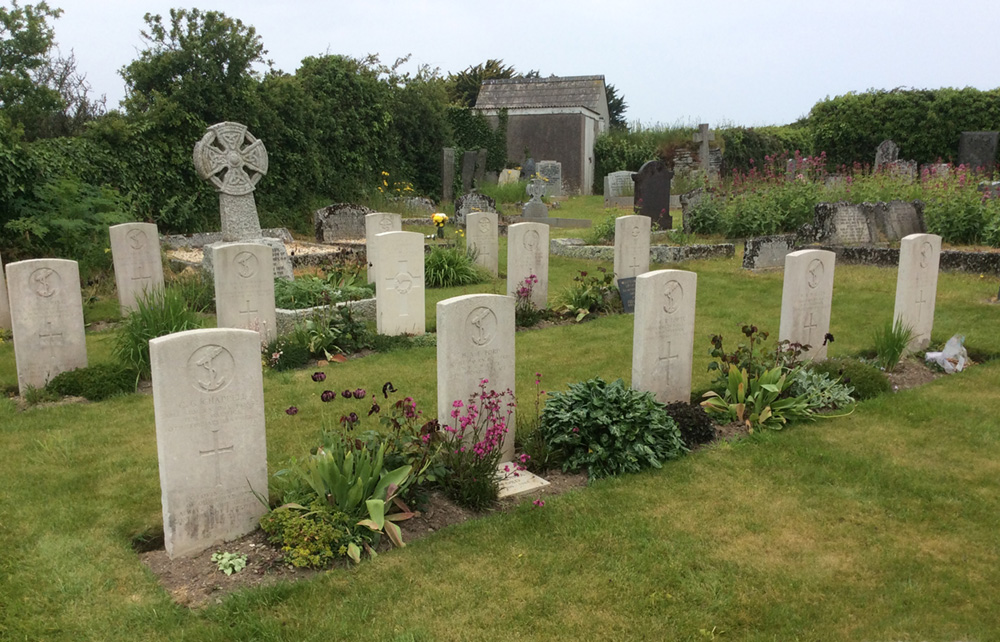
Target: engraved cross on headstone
217	453
663	363
920	303
808	327
49	339
703	136
234	161
248	311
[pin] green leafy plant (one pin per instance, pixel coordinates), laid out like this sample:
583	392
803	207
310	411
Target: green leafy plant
754	355
309	291
891	340
757	401
603	231
157	313
329	332
867	381
695	425
284	354
609	429
96	383
819	389
591	294
229	563
34	396
526	313
529	439
197	290
450	266
310	537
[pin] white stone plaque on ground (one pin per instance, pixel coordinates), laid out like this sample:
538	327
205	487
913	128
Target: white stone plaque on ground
481	238
378	223
916	286
527	255
46	311
244	288
399	293
806	297
663	336
135	250
208	400
516	482
4	301
631	246
475	341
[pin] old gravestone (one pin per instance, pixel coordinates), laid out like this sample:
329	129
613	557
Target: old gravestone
481	237
652	193
480	175
631	245
886	153
806	297
527	255
551	173
978	150
766	252
535	208
340	222
244	288
399	291
4	301
528	168
703	136
468	170
46	311
865	223
375	224
663	335
475	341
447	174
509	176
619	190
208	401
916	286
135	251
472	202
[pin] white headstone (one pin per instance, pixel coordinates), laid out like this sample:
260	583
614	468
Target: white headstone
46	311
631	245
509	176
244	288
527	255
916	286
4	301
481	238
475	341
208	401
663	337
806	297
399	293
135	250
378	223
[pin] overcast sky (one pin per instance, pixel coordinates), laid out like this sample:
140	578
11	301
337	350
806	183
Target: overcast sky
735	62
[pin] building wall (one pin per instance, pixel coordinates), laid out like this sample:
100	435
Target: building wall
556	137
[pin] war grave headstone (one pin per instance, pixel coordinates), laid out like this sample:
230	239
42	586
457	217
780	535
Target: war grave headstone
978	150
46	310
233	161
135	252
340	222
468	170
631	246
208	403
528	254
916	286
480	175
806	297
447	174
619	190
663	335
535	208
551	174
399	291
652	193
472	202
703	136
244	288
886	153
375	224
4	300
481	237
509	176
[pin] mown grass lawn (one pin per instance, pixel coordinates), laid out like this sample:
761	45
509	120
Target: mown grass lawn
880	525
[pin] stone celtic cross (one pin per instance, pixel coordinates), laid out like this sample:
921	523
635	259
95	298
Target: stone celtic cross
536	189
233	160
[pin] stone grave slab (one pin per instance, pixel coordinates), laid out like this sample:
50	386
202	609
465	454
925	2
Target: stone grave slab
631	245
480	176
517	483
135	251
234	161
399	292
916	286
619	190
447	174
378	223
886	153
978	150
767	252
663	338
528	254
652	193
468	170
806	298
4	300
340	222
473	202
244	288
551	174
481	236
704	136
626	290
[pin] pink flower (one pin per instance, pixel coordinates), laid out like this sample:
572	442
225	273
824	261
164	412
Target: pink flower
538	503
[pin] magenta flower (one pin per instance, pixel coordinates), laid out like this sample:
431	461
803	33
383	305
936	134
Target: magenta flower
360	393
319	376
346	394
328	395
292	410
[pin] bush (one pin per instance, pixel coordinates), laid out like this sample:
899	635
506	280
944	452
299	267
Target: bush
310	291
196	288
820	390
694	423
330	332
867	380
157	313
609	429
284	354
592	294
603	232
310	539
446	267
96	383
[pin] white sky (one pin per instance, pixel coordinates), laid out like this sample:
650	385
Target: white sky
738	62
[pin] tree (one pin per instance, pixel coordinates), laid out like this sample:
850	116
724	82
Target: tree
25	41
464	86
616	108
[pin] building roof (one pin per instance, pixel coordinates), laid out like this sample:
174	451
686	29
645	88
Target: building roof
523	93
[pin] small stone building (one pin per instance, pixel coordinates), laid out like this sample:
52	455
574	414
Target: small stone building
554	119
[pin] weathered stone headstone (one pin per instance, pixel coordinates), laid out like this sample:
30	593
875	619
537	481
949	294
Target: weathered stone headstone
766	252
806	297
528	254
535	208
865	223
447	174
378	223
468	170
340	222
46	311
480	167
916	286
631	245
4	300
475	341
481	237
135	251
978	150
509	176
689	202
904	169
399	292
887	152
244	288
208	401
703	136
472	202
619	190
663	335
551	173
652	193
528	168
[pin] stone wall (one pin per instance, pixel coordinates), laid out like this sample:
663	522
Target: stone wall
574	248
951	260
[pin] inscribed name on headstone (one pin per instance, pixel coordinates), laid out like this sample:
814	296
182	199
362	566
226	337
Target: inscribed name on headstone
509	176
652	193
135	251
399	291
46	310
626	290
244	288
528	255
978	150
4	300
619	190
447	174
916	286
468	170
475	341
208	401
378	223
631	245
663	335
535	208
340	222
473	202
806	297
234	161
551	173
887	152
481	237
703	136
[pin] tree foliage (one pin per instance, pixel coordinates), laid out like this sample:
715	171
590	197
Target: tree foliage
464	86
26	39
616	108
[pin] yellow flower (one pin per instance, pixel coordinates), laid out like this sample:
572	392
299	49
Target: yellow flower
386	184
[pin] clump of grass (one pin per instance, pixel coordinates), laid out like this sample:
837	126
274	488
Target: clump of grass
449	266
891	340
157	313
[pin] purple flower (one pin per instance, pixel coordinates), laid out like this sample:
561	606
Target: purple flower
328	395
346	394
319	376
360	393
292	410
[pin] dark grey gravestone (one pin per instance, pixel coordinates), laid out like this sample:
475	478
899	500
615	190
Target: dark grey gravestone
528	169
978	150
447	174
887	152
688	202
652	193
468	170
480	166
626	288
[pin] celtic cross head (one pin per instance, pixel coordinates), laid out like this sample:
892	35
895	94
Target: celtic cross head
231	158
536	189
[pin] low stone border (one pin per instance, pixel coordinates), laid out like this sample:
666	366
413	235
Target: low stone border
574	248
953	260
199	240
286	319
